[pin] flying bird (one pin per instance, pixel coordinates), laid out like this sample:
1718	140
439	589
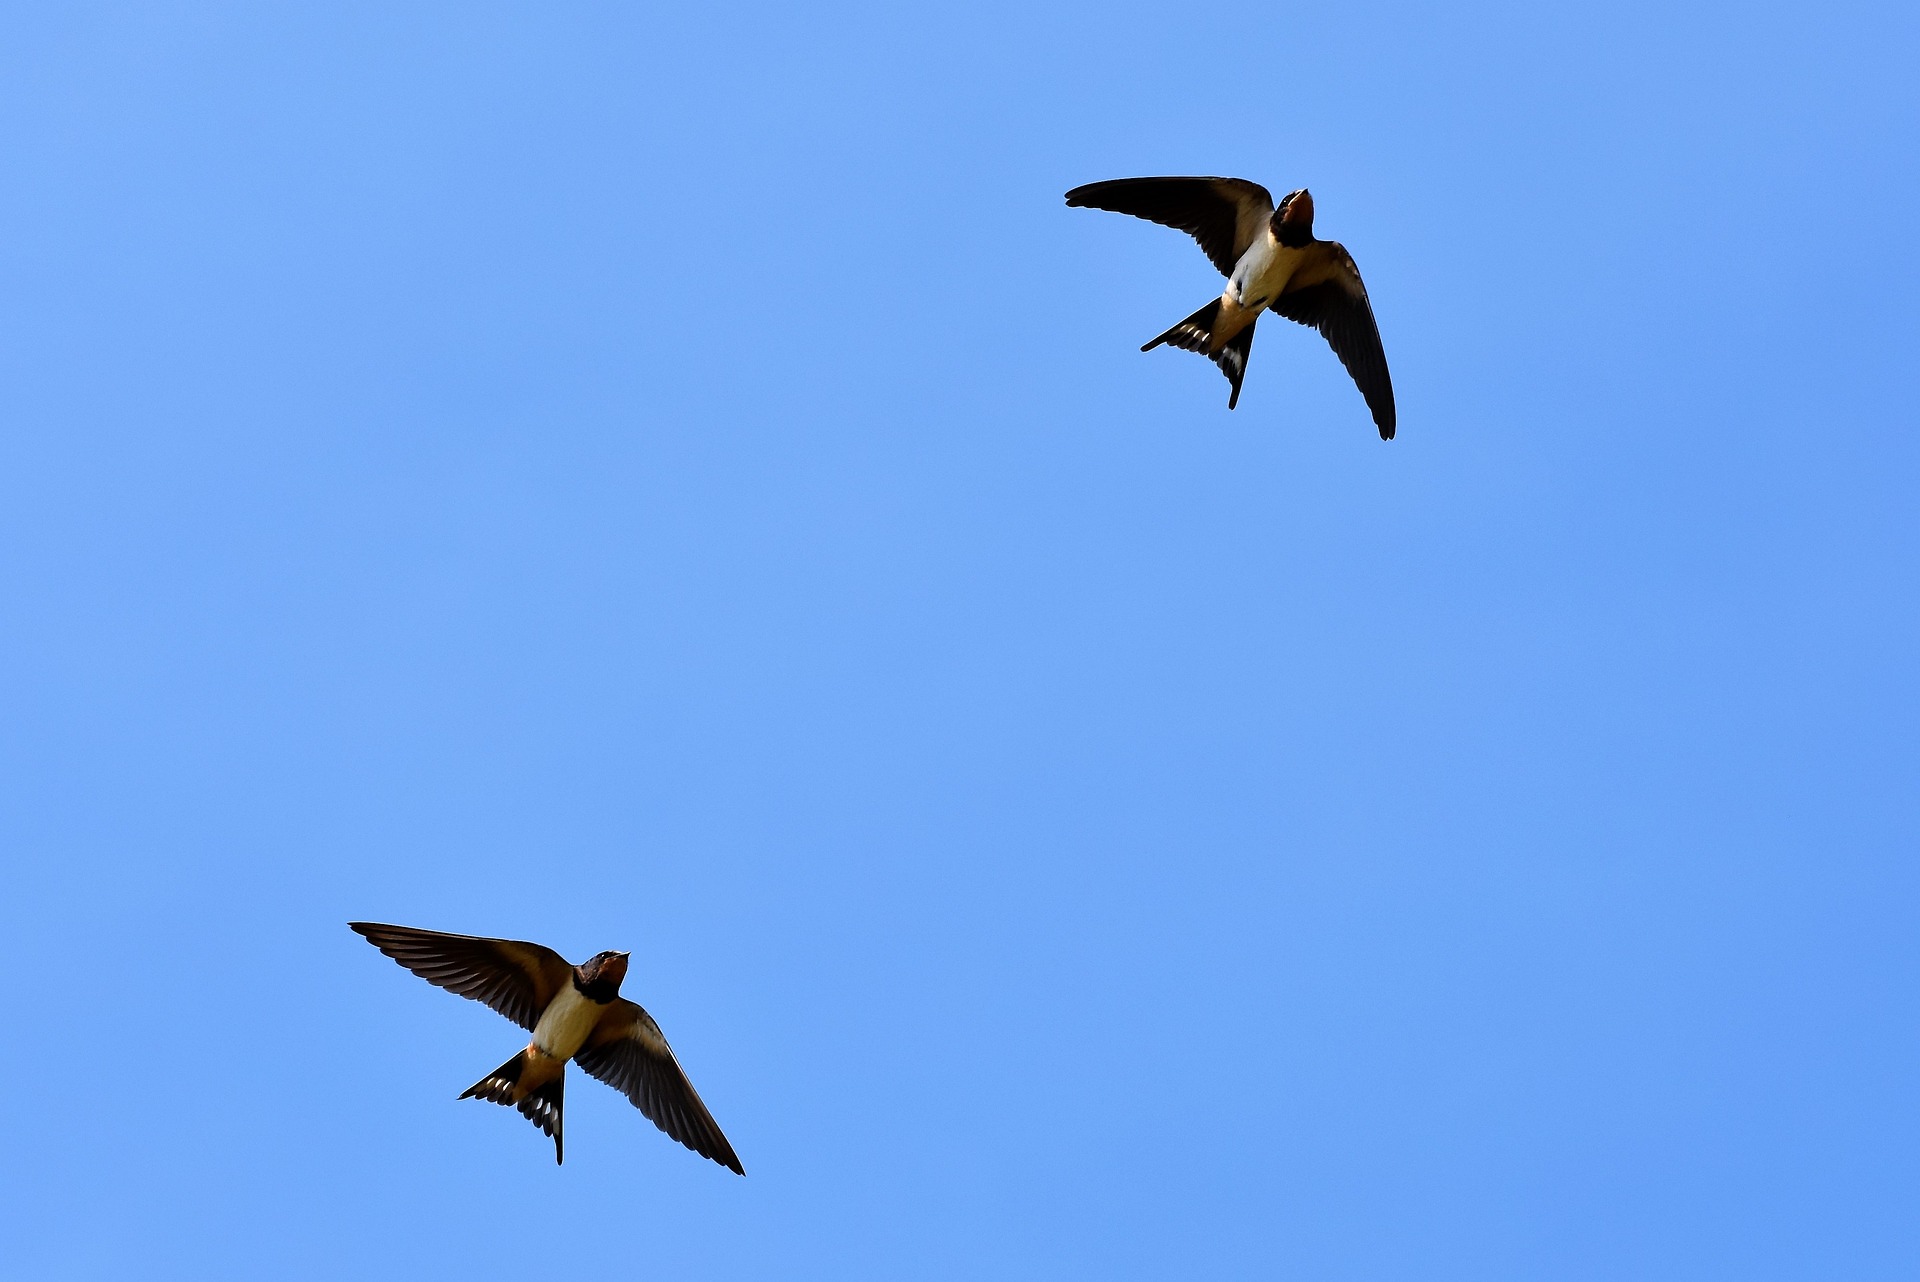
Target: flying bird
1271	262
575	1013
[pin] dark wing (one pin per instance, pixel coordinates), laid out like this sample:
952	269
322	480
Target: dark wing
1327	294
1223	214
515	978
627	1052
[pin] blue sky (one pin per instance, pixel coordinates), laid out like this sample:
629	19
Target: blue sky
682	481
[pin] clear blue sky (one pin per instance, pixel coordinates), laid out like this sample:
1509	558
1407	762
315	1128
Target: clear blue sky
680	480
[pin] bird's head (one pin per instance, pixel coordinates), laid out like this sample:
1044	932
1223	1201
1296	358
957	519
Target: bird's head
1293	219
599	976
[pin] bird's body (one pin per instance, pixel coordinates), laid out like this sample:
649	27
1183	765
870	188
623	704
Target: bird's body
1272	262
563	1029
1260	276
575	1014
565	1023
1232	318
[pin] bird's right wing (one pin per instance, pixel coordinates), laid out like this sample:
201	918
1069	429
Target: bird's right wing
1327	293
516	978
1223	214
627	1052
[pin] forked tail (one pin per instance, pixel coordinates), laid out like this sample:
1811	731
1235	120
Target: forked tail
1195	334
541	1105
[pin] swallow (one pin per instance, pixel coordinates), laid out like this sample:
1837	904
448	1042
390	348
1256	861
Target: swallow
1271	262
575	1013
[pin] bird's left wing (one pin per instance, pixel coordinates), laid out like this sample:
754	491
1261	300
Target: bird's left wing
514	977
1223	214
1327	294
627	1052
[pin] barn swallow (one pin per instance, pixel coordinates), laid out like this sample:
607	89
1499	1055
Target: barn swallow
576	1013
1271	262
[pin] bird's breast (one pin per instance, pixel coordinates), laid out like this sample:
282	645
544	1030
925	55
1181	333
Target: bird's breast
565	1024
1264	270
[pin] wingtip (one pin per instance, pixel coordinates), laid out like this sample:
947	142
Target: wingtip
719	1152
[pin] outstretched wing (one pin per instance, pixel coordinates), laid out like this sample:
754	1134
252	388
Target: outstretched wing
627	1052
517	979
1223	214
1326	292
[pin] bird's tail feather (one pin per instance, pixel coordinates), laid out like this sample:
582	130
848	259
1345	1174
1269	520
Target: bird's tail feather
542	1105
1195	334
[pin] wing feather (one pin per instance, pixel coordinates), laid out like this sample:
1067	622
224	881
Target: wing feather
628	1053
1330	296
1223	214
511	976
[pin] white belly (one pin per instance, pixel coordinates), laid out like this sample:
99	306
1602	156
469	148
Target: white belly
564	1025
1263	271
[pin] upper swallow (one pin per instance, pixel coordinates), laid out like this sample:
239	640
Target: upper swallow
1271	262
576	1013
